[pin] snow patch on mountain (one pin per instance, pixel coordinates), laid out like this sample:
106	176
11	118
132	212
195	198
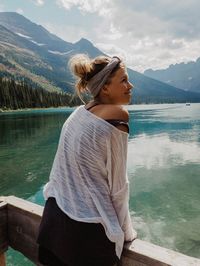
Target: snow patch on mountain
59	53
22	35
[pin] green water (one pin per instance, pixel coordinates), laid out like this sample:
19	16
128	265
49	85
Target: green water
163	168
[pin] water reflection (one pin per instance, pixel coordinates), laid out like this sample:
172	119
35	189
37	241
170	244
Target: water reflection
27	147
162	151
165	187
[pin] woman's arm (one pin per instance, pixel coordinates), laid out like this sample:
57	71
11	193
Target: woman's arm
118	181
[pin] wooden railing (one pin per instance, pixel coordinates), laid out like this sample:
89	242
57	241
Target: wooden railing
19	221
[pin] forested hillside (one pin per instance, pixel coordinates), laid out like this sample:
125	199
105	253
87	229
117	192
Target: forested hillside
18	95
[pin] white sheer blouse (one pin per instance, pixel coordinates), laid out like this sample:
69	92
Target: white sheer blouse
89	178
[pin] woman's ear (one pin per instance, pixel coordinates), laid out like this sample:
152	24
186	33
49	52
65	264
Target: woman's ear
105	90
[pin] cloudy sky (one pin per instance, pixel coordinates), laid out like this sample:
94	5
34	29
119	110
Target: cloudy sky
146	33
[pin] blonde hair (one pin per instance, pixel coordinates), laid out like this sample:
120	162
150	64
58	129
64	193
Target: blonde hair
85	68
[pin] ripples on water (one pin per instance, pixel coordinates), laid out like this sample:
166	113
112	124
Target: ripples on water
163	168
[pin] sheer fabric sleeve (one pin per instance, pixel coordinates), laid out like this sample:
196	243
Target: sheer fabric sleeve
118	182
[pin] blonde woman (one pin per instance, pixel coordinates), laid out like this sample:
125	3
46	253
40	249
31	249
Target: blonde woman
86	217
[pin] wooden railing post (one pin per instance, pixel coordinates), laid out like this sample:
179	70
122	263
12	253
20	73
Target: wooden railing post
3	231
2	259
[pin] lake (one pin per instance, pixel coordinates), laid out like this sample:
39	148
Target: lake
163	168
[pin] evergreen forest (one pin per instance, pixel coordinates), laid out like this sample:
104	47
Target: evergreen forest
19	95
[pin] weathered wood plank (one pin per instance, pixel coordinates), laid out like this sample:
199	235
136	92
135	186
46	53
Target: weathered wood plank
2	259
23	205
22	233
24	218
150	254
3	228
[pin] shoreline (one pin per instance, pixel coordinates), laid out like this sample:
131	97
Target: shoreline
64	107
32	109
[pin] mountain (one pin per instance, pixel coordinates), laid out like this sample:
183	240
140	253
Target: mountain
84	46
37	55
148	90
28	51
33	32
185	76
22	58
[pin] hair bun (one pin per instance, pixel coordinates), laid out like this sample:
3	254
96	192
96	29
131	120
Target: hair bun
80	65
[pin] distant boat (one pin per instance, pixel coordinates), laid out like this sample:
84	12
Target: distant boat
187	104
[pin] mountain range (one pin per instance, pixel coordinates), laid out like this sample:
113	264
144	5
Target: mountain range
185	76
28	51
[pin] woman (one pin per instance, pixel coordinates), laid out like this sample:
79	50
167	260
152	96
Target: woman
86	216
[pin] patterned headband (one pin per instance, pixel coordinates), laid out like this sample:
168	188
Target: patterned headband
97	81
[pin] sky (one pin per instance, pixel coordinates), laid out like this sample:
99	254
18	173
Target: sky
145	33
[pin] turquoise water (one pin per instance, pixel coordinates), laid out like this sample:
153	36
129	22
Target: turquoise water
163	168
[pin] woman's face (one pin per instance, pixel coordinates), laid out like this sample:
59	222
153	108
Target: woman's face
119	89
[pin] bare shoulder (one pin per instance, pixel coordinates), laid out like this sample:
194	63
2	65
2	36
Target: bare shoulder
118	112
110	111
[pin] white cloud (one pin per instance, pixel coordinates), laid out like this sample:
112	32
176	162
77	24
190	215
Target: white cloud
39	2
149	34
159	17
20	11
68	33
91	6
111	49
1	8
114	33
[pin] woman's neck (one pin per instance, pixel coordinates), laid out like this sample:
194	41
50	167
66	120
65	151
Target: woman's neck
101	101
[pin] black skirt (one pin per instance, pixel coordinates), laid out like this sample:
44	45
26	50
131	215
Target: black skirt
64	241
